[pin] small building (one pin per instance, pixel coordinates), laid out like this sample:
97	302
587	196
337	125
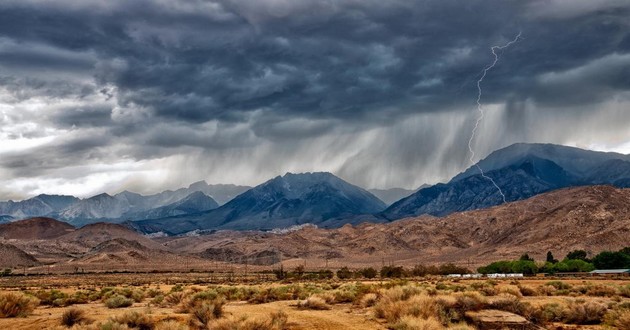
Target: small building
610	272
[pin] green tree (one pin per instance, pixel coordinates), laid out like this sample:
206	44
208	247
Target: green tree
368	272
526	257
550	258
524	266
344	273
611	260
577	255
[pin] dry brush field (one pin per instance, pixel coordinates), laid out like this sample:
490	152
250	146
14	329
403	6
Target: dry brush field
203	301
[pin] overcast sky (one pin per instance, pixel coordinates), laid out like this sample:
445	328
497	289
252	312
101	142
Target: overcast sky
153	94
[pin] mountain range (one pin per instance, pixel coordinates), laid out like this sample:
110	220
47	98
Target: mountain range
591	218
283	201
519	171
198	197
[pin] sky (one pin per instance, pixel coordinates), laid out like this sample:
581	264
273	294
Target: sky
147	95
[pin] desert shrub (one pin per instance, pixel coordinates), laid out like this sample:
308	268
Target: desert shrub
157	300
118	301
624	291
111	325
189	302
13	304
313	302
51	297
136	320
559	285
622	321
590	312
279	320
73	316
514	291
177	288
470	301
170	325
414	323
547	290
369	300
152	293
510	304
527	291
207	310
552	312
288	292
601	290
174	298
275	321
421	306
328	297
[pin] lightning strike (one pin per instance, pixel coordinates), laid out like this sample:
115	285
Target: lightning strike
481	112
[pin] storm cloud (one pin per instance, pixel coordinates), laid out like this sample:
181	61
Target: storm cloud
153	94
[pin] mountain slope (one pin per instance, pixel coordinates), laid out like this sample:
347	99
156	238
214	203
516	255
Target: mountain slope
521	171
280	202
194	203
11	256
40	205
99	207
35	228
593	218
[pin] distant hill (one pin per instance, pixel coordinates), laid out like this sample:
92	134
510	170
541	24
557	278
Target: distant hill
593	218
35	228
97	233
11	256
521	171
280	202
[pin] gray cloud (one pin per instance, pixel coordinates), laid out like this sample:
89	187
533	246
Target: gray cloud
381	93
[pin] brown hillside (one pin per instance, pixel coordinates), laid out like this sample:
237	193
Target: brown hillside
95	234
11	256
34	228
593	218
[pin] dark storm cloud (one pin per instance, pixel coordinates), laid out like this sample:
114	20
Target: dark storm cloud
141	80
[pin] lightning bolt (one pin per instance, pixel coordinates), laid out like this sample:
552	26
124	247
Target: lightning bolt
481	113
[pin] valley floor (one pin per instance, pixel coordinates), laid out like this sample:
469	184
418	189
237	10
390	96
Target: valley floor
175	301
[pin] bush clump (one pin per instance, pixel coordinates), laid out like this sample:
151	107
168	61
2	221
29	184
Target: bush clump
13	304
136	320
73	316
118	301
313	302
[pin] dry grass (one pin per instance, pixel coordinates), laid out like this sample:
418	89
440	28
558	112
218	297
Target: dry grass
170	325
408	322
118	301
14	304
368	300
313	302
623	320
136	320
590	312
73	316
204	312
275	321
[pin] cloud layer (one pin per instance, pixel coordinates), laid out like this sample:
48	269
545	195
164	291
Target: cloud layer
155	94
